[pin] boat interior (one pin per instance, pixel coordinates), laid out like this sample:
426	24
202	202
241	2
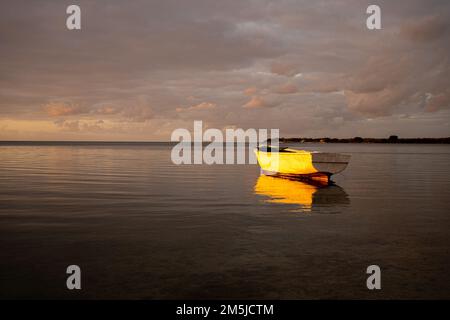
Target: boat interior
274	149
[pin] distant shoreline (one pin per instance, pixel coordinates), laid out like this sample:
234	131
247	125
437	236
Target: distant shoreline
391	139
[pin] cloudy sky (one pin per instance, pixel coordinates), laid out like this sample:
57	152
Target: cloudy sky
140	69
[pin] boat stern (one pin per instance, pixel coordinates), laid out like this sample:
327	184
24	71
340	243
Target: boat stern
331	163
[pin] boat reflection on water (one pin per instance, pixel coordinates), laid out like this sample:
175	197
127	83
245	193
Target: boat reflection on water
310	197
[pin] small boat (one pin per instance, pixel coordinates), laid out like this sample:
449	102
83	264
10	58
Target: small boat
301	164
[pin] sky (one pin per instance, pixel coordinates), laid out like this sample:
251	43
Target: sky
137	70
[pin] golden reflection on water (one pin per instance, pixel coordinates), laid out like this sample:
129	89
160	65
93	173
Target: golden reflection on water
306	195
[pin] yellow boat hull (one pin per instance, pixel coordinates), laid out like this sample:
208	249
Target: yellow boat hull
302	164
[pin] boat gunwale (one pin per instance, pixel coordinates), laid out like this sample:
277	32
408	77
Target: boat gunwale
304	152
294	151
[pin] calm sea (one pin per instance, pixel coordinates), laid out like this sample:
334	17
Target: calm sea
142	227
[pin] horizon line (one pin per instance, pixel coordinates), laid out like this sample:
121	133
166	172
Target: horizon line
160	141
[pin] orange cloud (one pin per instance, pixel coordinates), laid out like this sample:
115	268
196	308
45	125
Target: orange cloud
200	106
57	109
255	103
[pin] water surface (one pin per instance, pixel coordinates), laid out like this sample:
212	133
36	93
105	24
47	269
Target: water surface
141	227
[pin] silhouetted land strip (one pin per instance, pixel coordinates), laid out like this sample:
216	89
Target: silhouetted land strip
391	139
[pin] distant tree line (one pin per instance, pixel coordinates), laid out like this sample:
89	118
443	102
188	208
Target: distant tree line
391	139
